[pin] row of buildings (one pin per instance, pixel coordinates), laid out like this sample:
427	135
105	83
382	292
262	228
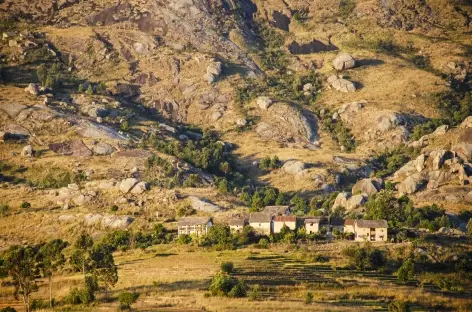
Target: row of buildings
273	218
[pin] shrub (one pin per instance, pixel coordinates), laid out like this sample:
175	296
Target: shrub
8	309
193	180
25	205
126	299
346	7
80	89
89	90
114	208
39	304
184	239
398	306
239	290
185	209
308	298
366	257
4	210
263	243
254	293
406	271
221	284
125	126
79	296
227	267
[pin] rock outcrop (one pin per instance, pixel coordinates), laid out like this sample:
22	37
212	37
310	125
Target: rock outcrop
344	61
367	186
293	166
340	84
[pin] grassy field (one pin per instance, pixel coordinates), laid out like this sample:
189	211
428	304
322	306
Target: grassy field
176	278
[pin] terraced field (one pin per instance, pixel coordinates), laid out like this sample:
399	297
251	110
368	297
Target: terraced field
275	273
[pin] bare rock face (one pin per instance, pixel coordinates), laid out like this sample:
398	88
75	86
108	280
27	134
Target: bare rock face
340	84
355	201
264	102
75	148
127	184
204	205
341	200
12	109
116	222
411	184
416	165
213	72
102	148
27	151
32	89
463	150
388	121
438	157
92	130
285	123
293	166
140	188
344	61
367	186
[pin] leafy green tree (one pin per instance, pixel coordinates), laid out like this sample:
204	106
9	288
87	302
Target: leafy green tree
384	206
103	266
22	264
254	293
223	186
89	90
300	205
219	235
246	198
80	89
270	196
280	199
221	284
184	239
275	162
257	202
227	267
81	254
126	299
52	259
239	290
265	163
406	271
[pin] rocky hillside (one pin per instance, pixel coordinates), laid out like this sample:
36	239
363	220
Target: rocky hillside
117	112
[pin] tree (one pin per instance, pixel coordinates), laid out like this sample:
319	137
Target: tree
89	90
270	196
384	206
81	88
227	267
41	73
52	259
223	186
103	266
280	199
406	271
80	258
257	202
22	264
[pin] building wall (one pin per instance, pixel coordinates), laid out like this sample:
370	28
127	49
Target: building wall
262	228
236	228
349	229
363	234
279	224
312	228
197	230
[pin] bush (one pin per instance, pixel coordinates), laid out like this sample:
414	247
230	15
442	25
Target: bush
398	306
39	304
89	90
125	126
8	309
254	293
4	210
346	7
221	284
363	258
227	267
239	290
126	299
406	271
263	243
114	208
184	239
308	298
25	205
79	296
